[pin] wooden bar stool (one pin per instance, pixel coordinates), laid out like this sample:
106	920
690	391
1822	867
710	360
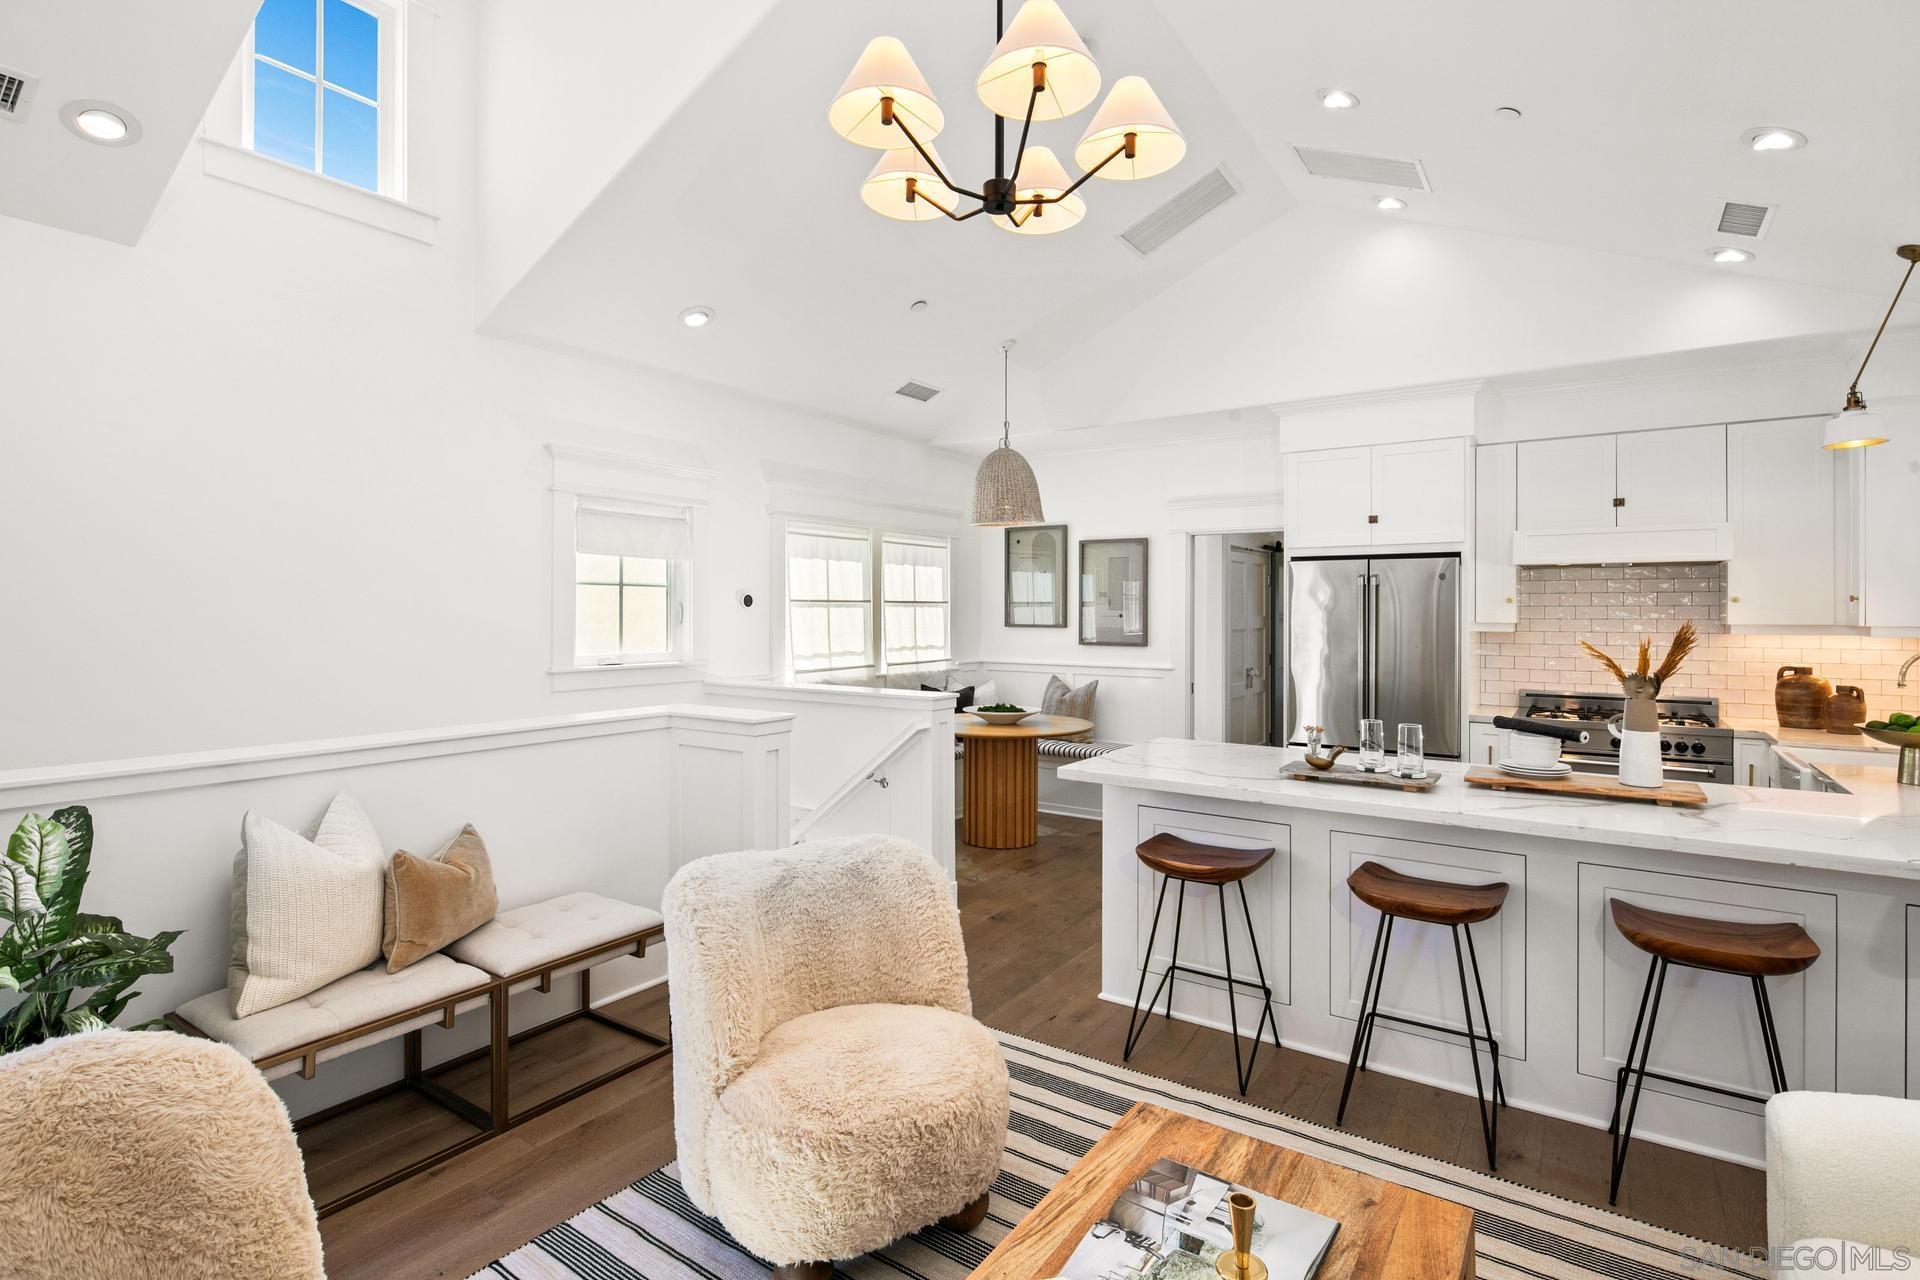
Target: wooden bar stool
1458	906
1754	951
1190	862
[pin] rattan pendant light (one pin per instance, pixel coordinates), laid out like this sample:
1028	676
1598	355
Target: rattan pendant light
1004	490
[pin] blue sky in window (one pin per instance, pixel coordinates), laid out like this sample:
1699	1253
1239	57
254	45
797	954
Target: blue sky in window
353	142
285	31
353	48
283	119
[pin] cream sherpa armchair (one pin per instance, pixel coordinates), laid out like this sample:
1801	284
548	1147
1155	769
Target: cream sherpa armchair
831	1090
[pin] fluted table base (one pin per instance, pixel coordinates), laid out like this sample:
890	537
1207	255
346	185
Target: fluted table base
1001	793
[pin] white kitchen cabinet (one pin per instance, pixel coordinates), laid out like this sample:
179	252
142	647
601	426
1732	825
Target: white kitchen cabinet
1890	549
1420	492
1406	494
1753	763
1565	484
1783	567
1329	498
1483	740
1672	477
1496	580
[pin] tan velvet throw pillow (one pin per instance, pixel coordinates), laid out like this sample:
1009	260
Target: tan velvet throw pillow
434	901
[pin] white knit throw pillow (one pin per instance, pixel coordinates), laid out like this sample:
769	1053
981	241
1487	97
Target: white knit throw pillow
305	911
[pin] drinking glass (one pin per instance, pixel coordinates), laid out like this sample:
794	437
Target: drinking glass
1413	752
1373	746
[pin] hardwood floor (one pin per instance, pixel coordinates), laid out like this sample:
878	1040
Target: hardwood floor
1032	918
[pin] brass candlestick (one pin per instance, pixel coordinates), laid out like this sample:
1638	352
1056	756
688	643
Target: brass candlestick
1238	1263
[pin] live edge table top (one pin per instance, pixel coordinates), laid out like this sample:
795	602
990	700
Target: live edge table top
1387	1232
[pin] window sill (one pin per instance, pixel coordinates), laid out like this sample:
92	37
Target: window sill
626	675
329	195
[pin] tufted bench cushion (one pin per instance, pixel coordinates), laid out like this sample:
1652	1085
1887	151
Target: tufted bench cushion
521	943
359	999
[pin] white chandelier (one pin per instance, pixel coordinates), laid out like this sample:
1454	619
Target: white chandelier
1039	71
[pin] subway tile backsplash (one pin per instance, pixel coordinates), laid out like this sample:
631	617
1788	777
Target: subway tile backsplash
1615	605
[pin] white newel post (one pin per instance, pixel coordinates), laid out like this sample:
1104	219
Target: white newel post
731	786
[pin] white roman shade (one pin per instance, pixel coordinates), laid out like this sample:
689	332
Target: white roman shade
624	533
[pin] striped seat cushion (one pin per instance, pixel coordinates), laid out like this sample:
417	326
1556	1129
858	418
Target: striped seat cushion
1059	749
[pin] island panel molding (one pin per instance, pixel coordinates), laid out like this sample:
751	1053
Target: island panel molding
1712	1032
1911	972
1420	979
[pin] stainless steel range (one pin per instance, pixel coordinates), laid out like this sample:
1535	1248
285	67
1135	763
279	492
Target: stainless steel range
1693	745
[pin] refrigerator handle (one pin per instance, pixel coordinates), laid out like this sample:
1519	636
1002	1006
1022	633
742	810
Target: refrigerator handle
1366	625
1373	631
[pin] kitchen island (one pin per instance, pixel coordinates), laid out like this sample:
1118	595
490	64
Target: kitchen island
1563	986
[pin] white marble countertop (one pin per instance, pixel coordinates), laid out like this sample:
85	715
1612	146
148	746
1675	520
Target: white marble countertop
1875	831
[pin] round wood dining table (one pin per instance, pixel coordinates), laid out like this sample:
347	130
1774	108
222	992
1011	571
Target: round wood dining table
1000	781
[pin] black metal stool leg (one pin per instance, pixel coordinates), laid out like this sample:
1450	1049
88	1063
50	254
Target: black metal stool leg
1625	1138
1173	957
1379	989
1146	962
1260	971
1487	1118
1486	1019
1360	1027
1770	1036
1240	1074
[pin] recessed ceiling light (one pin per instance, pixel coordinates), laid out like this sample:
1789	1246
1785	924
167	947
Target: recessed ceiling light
695	317
101	122
1389	203
1507	113
1338	100
918	305
1774	138
1727	253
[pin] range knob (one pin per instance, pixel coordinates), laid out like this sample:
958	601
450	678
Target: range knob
1699	748
1666	747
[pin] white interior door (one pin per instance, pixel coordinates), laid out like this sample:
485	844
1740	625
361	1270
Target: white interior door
1249	644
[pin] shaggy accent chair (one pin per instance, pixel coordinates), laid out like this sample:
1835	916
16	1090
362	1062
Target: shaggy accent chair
1842	1181
148	1155
831	1090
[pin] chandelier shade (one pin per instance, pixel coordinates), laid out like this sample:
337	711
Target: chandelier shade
1042	177
1040	32
1855	429
1132	107
885	71
895	175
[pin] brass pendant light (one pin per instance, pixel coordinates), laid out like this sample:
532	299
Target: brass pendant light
1857	426
1005	492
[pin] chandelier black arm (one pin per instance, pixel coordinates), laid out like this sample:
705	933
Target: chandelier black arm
1117	153
957	217
1025	126
939	173
1911	263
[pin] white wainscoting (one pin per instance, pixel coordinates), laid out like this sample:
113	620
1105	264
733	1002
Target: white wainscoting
1708	1028
1422	975
609	802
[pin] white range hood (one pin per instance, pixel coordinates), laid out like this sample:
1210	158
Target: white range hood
1680	544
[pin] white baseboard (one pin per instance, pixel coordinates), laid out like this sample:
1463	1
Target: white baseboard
1070	811
632	990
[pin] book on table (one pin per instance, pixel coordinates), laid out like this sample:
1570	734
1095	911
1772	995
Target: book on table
1172	1222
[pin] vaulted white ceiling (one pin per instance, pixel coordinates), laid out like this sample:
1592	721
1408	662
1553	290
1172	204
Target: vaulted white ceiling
1578	233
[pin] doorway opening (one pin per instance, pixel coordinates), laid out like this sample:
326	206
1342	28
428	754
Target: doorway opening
1237	637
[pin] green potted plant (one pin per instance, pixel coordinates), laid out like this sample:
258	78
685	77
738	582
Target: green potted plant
51	952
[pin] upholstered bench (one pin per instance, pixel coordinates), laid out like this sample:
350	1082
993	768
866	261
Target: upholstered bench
530	946
356	1012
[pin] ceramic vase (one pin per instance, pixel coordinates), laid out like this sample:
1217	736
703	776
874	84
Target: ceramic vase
1640	758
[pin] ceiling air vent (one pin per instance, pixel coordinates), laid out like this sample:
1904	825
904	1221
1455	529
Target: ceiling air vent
1750	220
1176	215
1377	171
917	391
16	94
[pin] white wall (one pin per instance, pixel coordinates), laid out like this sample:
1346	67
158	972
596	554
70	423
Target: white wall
263	482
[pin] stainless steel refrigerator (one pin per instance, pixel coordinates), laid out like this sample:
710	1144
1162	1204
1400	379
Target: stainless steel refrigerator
1375	638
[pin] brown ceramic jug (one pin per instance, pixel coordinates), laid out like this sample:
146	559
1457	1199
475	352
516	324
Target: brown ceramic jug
1846	709
1800	698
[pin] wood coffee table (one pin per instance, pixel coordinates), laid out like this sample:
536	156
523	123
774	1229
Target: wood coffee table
1000	781
1387	1232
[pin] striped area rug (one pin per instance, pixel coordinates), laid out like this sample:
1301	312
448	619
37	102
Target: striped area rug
1062	1103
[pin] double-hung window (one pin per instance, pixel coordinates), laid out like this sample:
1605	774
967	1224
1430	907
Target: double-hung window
323	92
841	615
626	587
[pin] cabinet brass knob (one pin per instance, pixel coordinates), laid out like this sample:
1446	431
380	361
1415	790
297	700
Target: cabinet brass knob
1853	599
1509	599
1373	519
1733	599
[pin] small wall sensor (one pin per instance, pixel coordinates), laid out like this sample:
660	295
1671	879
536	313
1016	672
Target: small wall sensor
745	599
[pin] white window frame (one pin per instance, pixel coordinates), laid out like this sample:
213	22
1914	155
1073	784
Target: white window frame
391	109
876	536
682	660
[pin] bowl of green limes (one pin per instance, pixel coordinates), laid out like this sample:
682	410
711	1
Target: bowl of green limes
1901	729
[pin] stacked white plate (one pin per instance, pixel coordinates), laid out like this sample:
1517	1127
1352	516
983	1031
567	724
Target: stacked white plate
1560	769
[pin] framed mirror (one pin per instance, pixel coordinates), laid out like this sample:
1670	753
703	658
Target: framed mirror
1036	585
1113	591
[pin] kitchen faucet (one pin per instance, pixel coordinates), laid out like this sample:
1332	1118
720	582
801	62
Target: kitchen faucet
1901	683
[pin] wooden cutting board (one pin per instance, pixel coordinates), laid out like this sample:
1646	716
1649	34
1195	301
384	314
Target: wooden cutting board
1300	771
1589	786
